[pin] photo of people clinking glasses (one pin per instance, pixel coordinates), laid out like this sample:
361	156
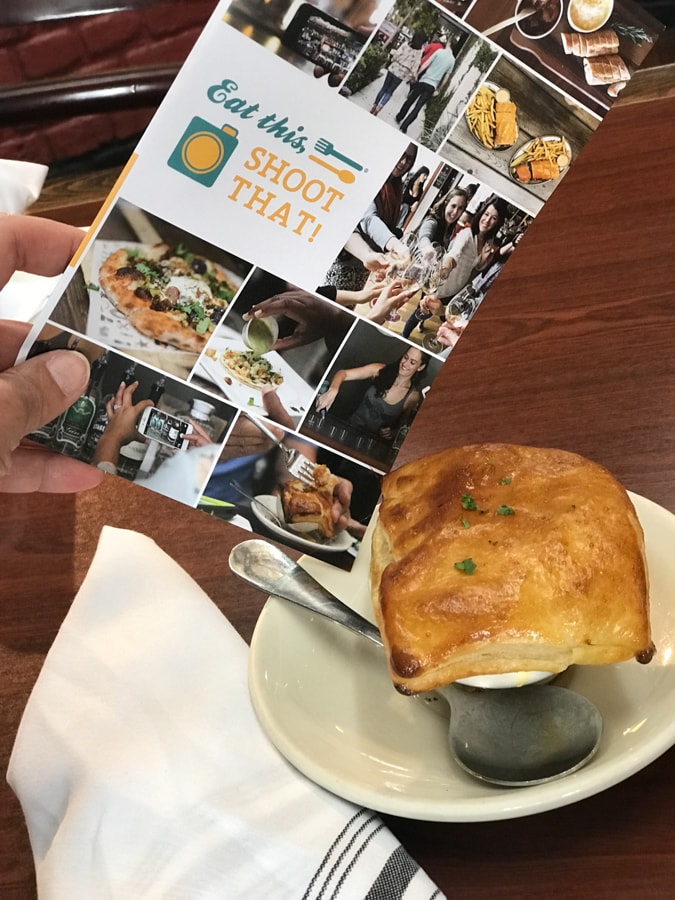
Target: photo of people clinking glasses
426	251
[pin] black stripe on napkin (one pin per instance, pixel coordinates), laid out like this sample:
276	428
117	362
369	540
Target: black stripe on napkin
337	851
349	846
394	878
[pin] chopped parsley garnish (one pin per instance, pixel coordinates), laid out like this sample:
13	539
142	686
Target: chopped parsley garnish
144	269
184	253
505	510
465	523
507	480
468	502
466	565
220	290
197	316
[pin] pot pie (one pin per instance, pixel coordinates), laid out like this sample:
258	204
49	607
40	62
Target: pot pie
496	558
306	504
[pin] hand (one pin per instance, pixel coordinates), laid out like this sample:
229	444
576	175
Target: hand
369	293
430	303
326	400
314	318
275	409
398	252
123	413
450	331
123	417
389	298
342	498
447	265
486	254
36	391
375	262
198	437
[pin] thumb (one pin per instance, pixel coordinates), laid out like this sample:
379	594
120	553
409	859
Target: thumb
35	392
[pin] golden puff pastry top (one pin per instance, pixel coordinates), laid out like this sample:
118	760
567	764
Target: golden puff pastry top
497	558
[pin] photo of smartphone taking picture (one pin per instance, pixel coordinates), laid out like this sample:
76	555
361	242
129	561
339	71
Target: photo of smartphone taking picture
163	427
322	39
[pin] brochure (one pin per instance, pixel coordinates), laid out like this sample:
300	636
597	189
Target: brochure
309	223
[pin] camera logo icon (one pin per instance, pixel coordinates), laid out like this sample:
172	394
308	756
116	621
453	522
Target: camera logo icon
203	150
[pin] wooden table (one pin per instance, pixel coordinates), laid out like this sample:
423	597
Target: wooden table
574	347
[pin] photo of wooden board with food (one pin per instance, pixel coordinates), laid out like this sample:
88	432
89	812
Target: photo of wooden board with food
541	159
587	48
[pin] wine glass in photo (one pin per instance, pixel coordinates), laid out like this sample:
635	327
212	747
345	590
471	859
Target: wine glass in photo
465	303
433	257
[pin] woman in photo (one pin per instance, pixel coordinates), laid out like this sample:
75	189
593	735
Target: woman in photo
471	250
412	194
377	234
405	61
439	228
392	398
440	225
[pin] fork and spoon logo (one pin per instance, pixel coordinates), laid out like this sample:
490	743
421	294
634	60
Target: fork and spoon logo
327	149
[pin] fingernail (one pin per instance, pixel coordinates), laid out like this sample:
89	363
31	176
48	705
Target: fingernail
69	369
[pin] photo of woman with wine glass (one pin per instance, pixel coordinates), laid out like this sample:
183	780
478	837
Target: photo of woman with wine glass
392	398
469	251
370	395
376	235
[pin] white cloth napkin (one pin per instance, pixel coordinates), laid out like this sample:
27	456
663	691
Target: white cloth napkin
20	184
142	770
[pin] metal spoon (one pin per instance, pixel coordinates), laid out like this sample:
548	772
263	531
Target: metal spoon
514	736
266	513
520	14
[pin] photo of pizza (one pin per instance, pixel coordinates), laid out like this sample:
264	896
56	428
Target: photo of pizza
251	370
168	294
151	290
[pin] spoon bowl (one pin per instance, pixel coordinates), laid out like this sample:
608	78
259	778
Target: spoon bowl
515	736
518	737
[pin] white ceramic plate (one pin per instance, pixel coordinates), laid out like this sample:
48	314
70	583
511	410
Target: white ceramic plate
527	145
267	502
323	696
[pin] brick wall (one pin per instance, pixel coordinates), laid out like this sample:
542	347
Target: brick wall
90	45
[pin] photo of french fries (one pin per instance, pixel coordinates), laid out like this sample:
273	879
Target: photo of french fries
541	159
491	117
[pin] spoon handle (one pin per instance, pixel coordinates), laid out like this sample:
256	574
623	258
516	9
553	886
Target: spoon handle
270	570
